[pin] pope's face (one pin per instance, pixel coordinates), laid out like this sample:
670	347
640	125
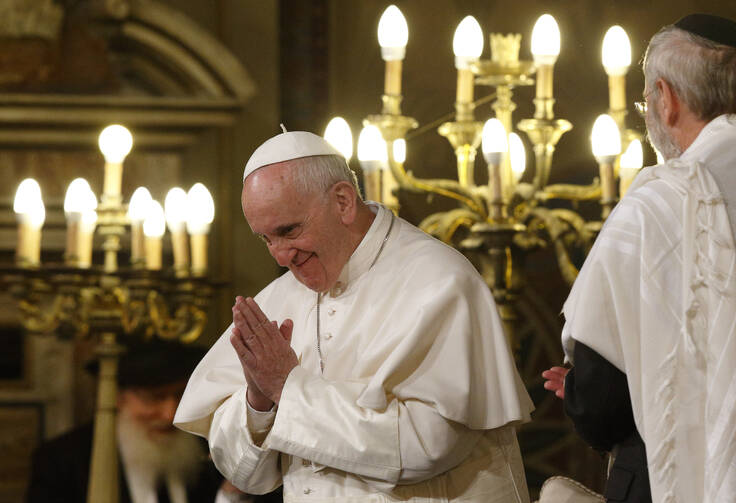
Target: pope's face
303	232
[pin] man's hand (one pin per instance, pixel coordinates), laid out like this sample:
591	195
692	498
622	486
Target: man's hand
264	351
556	380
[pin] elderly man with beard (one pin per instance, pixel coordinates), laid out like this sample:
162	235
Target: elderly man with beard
651	320
158	463
376	369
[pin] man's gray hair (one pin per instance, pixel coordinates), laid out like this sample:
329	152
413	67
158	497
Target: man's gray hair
316	174
701	72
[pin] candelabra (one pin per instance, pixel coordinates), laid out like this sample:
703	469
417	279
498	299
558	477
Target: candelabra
79	299
505	219
497	225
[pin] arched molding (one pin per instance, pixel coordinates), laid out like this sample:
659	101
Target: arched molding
178	80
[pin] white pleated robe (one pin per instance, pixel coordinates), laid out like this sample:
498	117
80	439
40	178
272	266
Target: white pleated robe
419	392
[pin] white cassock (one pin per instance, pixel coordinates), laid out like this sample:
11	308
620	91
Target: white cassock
656	297
418	395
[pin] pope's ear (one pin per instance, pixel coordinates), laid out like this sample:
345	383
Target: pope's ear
345	198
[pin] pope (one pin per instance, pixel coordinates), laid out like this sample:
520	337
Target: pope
376	367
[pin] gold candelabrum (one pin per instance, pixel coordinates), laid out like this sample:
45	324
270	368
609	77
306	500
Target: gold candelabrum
505	219
79	299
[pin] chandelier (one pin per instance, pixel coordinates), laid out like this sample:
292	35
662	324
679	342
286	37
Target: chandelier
501	221
78	298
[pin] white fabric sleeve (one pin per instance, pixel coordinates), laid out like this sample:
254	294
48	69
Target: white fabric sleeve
405	443
235	452
259	422
225	497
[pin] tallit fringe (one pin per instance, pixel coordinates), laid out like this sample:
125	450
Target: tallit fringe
705	273
662	460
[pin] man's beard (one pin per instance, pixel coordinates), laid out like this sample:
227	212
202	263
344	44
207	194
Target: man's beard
658	136
176	454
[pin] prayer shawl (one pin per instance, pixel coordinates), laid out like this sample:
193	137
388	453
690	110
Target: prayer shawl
657	298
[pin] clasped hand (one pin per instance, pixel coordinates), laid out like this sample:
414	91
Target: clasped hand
264	350
555	380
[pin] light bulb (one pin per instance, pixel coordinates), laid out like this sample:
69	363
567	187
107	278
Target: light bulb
467	44
115	143
400	150
616	51
393	34
176	209
201	209
89	220
79	197
495	142
517	155
633	158
371	145
338	134
605	138
155	223
139	202
545	40
28	203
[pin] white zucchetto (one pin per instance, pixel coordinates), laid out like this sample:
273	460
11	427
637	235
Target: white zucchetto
288	146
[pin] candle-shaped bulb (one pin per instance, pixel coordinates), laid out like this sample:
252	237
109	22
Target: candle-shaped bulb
517	155
176	209
399	150
89	220
28	204
79	197
338	134
393	34
372	146
605	138
545	40
201	209
467	44
138	210
202	212
633	158
631	162
495	143
30	213
154	225
616	51
79	200
139	203
115	142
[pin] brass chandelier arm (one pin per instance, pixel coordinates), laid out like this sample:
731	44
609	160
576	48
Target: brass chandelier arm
447	188
38	321
445	225
557	224
134	313
66	315
199	319
571	192
567	269
186	325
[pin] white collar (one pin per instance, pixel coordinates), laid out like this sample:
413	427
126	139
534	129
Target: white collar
362	258
714	127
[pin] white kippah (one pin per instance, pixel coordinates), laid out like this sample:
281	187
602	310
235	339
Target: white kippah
288	146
